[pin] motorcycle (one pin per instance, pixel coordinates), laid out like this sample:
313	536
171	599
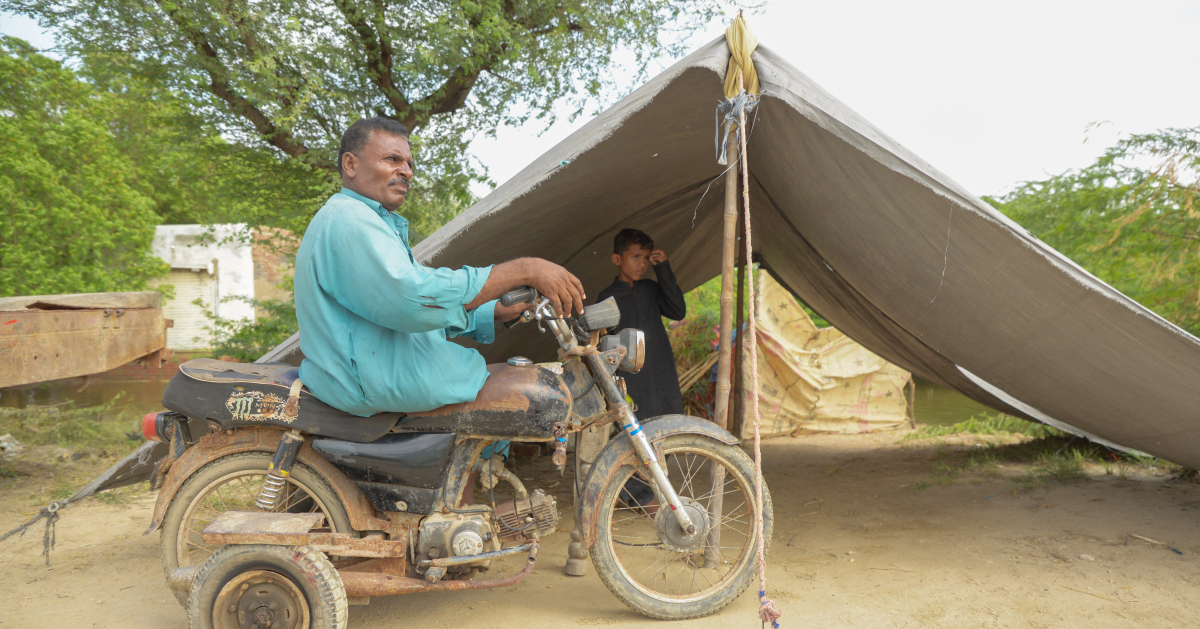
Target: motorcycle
277	510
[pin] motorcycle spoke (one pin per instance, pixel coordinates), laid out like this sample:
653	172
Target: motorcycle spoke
658	557
687	476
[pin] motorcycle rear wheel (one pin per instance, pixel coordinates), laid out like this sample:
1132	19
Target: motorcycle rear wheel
231	484
658	576
266	585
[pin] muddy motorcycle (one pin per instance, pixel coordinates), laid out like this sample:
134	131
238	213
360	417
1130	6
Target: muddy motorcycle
277	510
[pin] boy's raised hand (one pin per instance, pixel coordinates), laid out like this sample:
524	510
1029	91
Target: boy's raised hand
658	256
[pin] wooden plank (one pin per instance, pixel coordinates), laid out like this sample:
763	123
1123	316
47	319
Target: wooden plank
135	299
261	523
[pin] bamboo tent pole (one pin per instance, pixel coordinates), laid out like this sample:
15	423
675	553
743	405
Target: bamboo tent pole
739	371
716	507
728	247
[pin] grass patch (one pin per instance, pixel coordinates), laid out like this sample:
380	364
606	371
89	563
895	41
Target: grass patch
7	470
103	429
1058	467
985	461
986	424
1187	475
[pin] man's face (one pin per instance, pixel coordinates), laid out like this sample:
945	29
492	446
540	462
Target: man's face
383	172
632	264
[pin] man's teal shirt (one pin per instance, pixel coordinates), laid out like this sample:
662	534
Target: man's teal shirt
374	322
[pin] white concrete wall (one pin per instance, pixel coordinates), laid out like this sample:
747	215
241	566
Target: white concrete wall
229	266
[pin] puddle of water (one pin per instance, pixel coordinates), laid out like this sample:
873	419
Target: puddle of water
940	406
140	396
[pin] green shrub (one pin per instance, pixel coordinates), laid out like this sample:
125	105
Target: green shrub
998	424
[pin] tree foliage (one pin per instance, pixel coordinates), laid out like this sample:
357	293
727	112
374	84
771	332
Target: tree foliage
1132	218
72	219
292	74
181	162
245	340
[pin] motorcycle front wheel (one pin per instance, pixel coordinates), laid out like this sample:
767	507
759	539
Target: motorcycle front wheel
643	557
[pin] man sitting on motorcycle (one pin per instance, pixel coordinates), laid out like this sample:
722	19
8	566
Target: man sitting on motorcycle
375	322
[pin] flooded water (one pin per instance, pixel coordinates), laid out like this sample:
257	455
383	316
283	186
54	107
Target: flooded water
137	396
933	404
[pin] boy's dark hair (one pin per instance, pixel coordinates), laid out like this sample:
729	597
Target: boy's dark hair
359	134
629	237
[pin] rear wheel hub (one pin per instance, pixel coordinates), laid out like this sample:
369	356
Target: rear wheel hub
260	599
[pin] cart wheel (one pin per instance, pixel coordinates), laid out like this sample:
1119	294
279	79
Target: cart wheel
260	586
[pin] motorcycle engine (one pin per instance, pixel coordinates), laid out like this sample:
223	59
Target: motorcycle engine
521	519
455	535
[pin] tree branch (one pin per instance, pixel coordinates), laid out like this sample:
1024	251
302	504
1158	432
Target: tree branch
379	54
220	87
448	98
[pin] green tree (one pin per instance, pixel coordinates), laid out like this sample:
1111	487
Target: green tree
192	174
72	221
1132	219
292	74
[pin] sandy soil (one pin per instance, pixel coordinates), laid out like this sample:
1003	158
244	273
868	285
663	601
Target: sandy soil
857	543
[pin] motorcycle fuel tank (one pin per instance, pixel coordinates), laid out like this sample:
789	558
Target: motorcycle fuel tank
515	403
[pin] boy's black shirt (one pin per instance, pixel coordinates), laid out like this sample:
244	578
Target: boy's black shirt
654	389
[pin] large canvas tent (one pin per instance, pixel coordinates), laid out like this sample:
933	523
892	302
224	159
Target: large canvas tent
881	244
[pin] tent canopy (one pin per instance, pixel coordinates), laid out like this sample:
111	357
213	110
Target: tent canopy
881	244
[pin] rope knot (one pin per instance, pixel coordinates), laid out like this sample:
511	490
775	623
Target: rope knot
732	110
767	610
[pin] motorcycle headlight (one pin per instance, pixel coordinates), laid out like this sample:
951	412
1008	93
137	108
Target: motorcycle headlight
634	342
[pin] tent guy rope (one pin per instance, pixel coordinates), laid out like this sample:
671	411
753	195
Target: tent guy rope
766	607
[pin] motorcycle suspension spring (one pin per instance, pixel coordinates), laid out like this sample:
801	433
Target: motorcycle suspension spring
278	471
268	495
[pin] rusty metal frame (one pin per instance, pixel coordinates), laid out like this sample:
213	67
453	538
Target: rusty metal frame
458	473
369	584
363	516
339	544
619	452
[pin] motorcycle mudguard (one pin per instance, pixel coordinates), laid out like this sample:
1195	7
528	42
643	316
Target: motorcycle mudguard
255	439
619	452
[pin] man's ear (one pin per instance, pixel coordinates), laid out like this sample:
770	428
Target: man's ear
349	164
616	258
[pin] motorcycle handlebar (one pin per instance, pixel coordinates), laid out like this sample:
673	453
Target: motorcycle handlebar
525	294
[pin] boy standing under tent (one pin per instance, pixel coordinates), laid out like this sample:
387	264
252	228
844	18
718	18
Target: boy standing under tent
643	303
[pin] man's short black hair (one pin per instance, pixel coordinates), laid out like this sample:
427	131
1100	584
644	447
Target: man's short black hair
629	237
359	134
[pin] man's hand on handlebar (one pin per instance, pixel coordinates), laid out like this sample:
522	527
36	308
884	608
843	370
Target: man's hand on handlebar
563	289
557	284
508	313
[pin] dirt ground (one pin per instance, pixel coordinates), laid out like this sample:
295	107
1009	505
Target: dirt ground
869	533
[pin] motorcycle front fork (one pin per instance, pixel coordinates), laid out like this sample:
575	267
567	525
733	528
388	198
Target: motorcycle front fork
641	445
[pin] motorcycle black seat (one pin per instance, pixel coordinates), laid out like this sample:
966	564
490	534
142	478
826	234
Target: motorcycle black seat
254	394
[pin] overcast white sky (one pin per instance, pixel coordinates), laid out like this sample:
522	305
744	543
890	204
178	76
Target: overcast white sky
989	93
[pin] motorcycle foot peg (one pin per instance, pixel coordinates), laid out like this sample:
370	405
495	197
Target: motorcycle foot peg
560	445
435	574
279	470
